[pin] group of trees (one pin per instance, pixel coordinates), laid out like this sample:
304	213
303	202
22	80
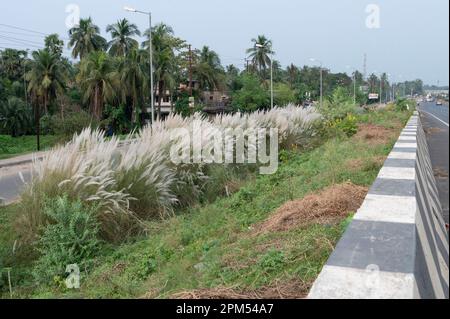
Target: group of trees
110	80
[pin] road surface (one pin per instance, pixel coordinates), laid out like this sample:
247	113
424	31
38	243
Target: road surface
12	181
435	120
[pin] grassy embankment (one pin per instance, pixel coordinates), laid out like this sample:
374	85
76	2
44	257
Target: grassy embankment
241	245
14	146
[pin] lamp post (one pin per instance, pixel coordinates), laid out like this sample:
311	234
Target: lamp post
321	79
381	87
354	82
150	48
271	71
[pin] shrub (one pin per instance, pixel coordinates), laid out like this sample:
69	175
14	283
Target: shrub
69	238
348	125
252	96
116	119
403	105
72	123
338	105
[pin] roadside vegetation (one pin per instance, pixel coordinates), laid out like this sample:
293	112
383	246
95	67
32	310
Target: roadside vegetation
43	92
213	231
10	147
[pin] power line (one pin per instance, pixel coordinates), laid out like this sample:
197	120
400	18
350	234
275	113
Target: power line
28	30
22	40
24	44
22	34
22	29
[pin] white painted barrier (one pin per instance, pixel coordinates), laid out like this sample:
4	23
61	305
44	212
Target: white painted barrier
396	246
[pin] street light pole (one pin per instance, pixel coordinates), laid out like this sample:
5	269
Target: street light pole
258	45
150	48
271	80
321	80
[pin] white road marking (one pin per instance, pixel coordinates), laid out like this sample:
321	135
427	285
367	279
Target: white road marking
435	117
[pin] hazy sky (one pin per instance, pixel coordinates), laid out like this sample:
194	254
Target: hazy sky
412	41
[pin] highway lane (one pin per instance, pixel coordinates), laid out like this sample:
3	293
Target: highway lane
435	120
11	184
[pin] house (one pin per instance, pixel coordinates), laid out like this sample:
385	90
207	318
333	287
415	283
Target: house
215	102
166	102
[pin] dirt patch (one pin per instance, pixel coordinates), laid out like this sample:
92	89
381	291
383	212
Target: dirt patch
375	134
364	164
293	289
433	130
328	205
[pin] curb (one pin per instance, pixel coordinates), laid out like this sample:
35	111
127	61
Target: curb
20	162
40	157
396	247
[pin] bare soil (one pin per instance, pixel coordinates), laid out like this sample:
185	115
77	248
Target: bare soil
374	134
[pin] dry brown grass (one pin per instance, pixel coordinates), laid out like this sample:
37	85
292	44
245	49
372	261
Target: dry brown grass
326	206
374	134
292	289
361	163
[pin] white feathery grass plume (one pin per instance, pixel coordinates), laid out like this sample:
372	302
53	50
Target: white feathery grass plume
140	177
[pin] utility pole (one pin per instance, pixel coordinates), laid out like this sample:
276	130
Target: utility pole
381	87
190	70
365	67
321	85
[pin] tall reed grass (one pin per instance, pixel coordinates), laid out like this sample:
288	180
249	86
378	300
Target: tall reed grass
133	183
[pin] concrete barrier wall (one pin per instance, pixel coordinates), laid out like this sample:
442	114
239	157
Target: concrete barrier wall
396	246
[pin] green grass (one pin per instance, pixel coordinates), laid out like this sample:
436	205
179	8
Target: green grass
212	245
14	146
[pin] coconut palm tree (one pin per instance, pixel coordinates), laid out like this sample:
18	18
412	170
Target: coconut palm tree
260	53
122	41
133	72
208	69
85	38
211	58
164	45
47	76
99	79
15	116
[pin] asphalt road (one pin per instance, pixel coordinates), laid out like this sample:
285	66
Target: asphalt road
12	181
435	120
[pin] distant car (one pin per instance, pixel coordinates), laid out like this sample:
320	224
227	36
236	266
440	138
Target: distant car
438	102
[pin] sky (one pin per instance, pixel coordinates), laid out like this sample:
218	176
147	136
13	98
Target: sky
408	39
